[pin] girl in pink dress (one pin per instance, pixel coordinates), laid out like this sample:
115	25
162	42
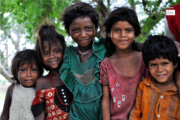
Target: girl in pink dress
124	69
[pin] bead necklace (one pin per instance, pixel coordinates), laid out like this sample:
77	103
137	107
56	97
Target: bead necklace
82	54
57	92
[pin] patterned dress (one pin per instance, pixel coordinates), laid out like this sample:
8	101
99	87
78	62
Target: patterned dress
122	87
47	99
82	79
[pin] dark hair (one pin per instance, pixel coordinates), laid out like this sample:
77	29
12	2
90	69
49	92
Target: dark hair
120	14
47	33
79	10
159	46
24	57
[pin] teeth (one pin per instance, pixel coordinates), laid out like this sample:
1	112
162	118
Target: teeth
161	75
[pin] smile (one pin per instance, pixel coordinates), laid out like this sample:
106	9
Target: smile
161	76
29	80
54	61
123	41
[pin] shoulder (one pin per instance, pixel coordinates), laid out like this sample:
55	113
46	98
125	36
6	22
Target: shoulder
10	89
145	82
41	82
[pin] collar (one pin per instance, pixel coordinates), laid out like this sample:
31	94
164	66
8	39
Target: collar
148	82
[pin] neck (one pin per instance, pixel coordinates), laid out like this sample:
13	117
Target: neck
85	49
124	53
54	72
165	86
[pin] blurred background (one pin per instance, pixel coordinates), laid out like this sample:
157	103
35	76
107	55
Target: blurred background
19	19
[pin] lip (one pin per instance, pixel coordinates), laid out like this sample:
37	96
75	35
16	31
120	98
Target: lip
161	76
123	41
53	61
30	81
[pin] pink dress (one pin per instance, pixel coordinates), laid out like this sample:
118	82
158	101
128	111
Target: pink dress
122	87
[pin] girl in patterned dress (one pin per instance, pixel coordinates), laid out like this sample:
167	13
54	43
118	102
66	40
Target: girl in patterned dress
53	99
25	70
121	72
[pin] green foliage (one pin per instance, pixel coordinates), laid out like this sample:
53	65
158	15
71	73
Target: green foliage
31	13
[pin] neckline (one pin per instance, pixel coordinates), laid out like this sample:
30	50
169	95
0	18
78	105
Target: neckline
26	88
72	49
124	73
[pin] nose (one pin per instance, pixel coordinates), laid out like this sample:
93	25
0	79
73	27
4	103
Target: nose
160	68
83	33
29	72
123	33
51	55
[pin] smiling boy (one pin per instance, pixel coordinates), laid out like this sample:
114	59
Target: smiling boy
157	95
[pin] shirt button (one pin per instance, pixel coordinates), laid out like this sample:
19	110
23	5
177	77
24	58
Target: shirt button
65	100
62	89
64	96
162	96
158	116
63	93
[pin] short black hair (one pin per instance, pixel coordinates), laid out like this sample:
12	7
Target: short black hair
79	10
120	14
47	33
24	57
159	46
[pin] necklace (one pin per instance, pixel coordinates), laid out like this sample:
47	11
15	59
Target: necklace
82	54
57	92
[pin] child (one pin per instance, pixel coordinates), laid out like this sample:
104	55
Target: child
25	71
80	68
157	95
53	99
121	72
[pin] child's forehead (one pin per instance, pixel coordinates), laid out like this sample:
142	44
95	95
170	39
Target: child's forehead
82	20
55	44
27	63
159	60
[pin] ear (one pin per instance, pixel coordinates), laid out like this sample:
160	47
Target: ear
67	31
109	34
175	66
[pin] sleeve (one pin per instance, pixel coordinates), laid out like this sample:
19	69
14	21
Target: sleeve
136	112
103	74
39	103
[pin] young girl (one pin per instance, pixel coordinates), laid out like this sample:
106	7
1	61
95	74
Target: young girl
53	99
121	72
25	71
81	64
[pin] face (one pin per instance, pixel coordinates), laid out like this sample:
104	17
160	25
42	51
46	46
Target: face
27	75
122	34
82	31
162	70
52	59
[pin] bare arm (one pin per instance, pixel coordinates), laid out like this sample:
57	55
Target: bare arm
106	103
7	103
39	86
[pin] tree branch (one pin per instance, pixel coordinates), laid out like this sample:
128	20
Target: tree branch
5	73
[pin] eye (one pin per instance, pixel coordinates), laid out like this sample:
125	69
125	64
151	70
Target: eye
45	53
23	70
153	65
34	70
165	63
75	30
88	28
56	51
128	30
116	30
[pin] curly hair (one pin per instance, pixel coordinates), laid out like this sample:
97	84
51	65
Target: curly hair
120	14
47	33
79	10
24	57
159	46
